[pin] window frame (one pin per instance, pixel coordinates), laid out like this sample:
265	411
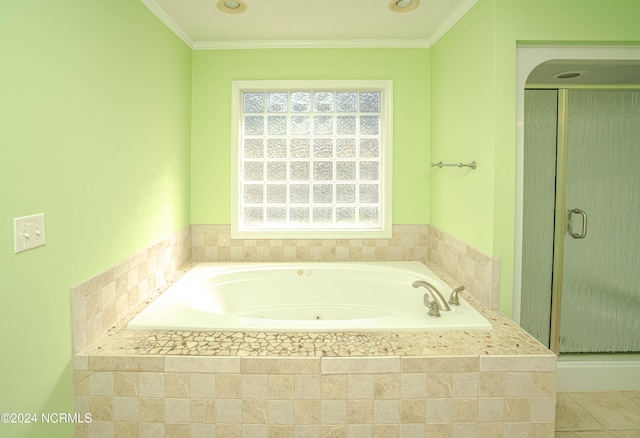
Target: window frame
385	87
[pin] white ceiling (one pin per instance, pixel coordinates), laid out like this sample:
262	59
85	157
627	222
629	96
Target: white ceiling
308	23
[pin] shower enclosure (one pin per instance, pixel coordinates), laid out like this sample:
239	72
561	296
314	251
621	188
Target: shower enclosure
581	220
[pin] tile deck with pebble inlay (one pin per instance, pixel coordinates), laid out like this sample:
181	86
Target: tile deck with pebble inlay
506	338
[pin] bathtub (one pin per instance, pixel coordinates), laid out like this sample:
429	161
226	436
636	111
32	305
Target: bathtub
320	297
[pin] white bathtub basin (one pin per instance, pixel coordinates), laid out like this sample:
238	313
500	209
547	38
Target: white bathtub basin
375	296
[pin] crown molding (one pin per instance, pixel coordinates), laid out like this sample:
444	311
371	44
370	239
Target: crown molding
168	21
451	20
313	44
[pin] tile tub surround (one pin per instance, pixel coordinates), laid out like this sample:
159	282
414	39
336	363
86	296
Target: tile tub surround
499	383
211	243
99	302
479	273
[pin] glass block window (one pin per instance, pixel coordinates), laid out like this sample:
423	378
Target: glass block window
312	158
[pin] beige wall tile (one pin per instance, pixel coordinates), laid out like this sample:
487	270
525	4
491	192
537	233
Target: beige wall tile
305	431
254	411
126	409
543	384
439	410
360	386
359	431
152	409
359	411
543	409
306	412
439	384
203	430
333	411
254	386
229	430
360	365
490	430
274	365
517	409
254	430
101	408
280	386
333	387
126	363
177	410
412	430
491	409
386	411
413	385
491	384
386	431
386	386
333	431
81	382
547	430
177	430
463	430
228	386
466	384
464	410
125	384
280	412
101	428
229	411
100	383
438	430
202	364
516	430
151	430
202	386
412	410
517	384
177	385
126	430
151	385
451	364
307	387
202	411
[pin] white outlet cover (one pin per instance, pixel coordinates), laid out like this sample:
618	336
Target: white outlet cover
28	232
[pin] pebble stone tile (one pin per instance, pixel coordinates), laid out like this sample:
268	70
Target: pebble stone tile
506	338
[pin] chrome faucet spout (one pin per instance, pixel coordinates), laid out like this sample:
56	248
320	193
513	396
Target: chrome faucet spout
433	292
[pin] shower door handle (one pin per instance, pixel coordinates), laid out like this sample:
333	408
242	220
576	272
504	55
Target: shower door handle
584	224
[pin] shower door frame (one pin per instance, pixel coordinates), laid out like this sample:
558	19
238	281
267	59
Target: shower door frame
560	213
528	57
560	219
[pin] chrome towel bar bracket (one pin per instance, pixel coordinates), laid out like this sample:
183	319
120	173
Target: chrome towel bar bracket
441	164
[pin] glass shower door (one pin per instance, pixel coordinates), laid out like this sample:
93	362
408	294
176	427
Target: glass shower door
600	310
540	133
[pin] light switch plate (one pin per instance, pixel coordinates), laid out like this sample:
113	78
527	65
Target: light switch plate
28	232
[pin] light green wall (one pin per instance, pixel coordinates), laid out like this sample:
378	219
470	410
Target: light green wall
94	132
462	128
484	41
213	72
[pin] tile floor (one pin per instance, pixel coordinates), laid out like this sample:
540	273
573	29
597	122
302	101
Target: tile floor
613	414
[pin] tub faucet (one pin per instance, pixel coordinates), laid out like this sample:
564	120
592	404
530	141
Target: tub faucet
453	298
435	295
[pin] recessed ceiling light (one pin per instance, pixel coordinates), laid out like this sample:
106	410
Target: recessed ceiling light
403	5
568	74
232	7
